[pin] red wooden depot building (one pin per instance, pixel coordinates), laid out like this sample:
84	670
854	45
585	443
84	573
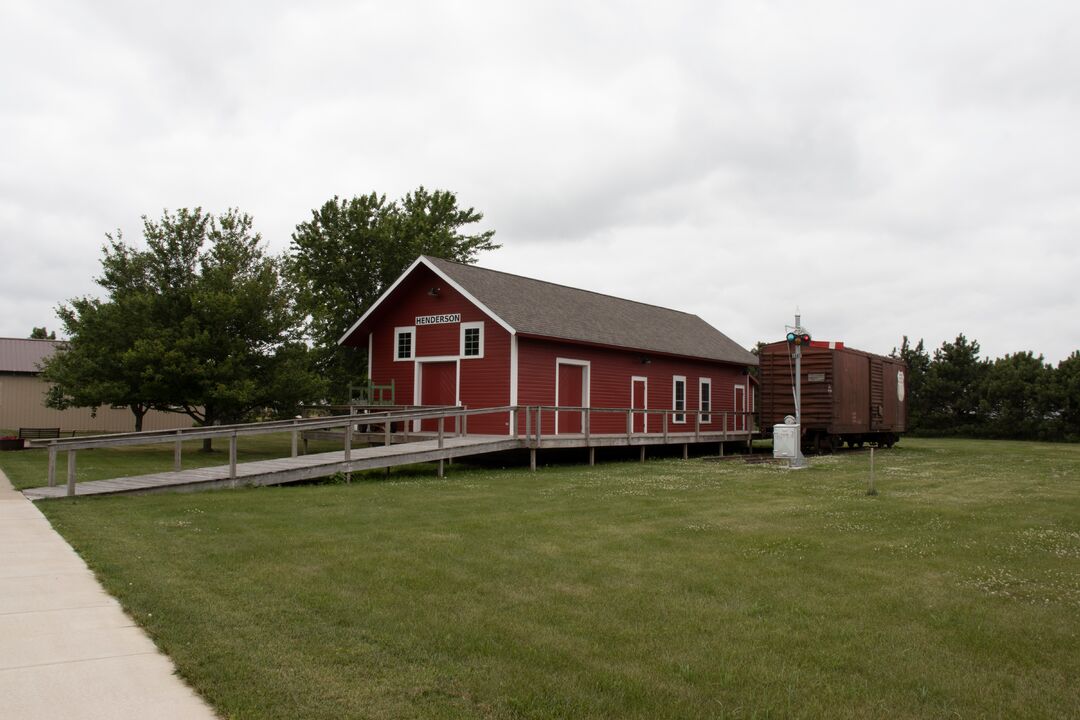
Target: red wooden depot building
453	334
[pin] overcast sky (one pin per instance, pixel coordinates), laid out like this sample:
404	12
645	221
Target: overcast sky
889	168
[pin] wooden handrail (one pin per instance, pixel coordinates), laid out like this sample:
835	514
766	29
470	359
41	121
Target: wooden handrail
533	430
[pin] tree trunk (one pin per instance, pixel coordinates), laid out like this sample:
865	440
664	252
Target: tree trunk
208	421
139	412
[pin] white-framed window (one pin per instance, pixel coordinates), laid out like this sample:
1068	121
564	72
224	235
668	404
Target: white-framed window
472	340
678	398
405	343
705	395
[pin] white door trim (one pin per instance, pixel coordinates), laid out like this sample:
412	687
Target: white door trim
585	382
740	420
634	379
418	376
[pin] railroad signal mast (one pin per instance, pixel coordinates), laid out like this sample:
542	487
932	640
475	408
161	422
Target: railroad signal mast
798	337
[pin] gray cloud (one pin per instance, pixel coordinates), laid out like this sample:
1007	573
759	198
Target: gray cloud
890	168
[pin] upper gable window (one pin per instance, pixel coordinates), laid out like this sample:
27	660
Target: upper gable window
404	343
472	340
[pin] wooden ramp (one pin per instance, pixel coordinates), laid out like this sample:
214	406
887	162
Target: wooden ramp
451	440
289	469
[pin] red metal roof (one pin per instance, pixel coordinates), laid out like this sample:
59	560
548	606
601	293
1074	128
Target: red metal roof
21	355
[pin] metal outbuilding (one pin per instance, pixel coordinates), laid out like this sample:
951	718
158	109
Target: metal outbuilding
22	396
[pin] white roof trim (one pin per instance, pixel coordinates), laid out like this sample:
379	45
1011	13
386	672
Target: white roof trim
422	260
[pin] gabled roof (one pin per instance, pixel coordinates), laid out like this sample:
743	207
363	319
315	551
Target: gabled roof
21	355
533	307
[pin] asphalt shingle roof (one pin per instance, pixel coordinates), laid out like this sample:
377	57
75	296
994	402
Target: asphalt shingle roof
535	307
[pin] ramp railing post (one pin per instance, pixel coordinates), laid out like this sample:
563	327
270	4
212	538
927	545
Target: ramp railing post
348	441
71	473
588	422
665	425
52	465
386	432
176	453
725	424
295	439
232	456
536	441
697	425
528	423
629	425
513	422
441	418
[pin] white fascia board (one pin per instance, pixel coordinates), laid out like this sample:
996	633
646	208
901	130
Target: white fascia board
377	303
430	266
468	295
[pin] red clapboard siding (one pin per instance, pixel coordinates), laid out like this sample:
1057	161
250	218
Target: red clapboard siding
485	382
609	383
482	382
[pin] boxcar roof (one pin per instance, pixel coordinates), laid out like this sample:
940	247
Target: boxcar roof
21	355
544	309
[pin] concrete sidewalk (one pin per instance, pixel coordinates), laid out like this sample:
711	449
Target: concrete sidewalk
67	650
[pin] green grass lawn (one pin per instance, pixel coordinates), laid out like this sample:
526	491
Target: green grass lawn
30	468
673	589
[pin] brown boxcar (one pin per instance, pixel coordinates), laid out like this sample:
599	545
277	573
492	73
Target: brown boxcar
847	395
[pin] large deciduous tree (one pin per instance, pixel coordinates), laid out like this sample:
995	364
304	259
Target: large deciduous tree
199	321
100	365
351	250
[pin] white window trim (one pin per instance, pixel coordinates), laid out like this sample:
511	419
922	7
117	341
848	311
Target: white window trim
513	381
706	417
637	379
586	383
461	348
676	417
411	329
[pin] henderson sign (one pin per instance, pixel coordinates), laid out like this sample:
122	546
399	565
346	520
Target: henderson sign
438	319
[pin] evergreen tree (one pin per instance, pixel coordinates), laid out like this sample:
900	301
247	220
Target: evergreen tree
1016	398
951	389
1065	390
918	364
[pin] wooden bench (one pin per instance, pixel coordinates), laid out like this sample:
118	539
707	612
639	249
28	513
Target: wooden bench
38	433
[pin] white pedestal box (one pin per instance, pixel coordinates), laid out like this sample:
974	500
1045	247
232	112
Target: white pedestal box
785	441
